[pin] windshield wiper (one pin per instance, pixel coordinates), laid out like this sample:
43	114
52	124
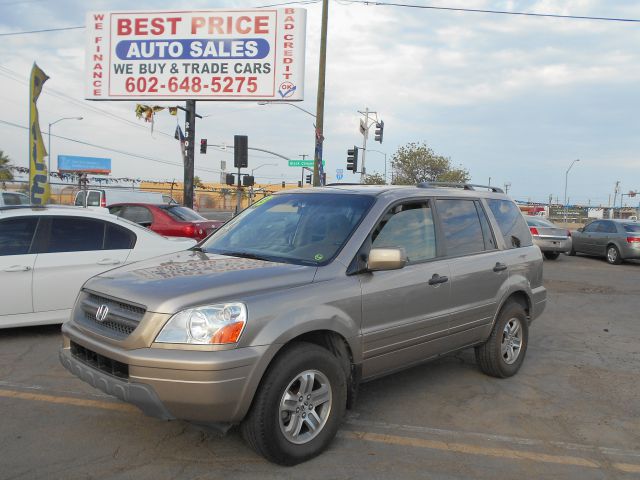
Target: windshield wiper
252	256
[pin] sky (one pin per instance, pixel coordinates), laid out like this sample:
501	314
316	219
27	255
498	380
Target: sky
513	99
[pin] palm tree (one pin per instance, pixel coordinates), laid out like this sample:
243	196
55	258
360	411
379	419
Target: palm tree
5	172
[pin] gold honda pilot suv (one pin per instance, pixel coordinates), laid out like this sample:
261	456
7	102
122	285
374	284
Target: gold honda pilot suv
274	320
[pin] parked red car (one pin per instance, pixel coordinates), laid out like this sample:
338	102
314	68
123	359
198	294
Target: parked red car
169	220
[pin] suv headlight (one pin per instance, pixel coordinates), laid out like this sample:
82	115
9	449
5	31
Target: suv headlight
206	325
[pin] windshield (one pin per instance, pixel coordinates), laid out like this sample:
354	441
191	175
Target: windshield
632	227
182	214
305	229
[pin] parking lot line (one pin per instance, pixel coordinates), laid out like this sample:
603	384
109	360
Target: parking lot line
454	447
79	402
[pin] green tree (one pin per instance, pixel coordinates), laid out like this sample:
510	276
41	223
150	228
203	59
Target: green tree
375	179
197	183
5	173
416	162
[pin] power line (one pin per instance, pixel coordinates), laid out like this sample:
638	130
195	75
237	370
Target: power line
45	30
115	150
495	12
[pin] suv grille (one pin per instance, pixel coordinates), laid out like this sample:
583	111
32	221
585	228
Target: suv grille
102	363
121	318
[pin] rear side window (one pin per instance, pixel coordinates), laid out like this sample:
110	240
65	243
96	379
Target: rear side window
461	226
118	238
75	234
137	214
607	227
511	222
408	226
16	235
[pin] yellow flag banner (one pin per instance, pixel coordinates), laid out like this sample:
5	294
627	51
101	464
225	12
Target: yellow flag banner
38	175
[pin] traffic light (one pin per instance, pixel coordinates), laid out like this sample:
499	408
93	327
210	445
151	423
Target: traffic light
230	179
248	181
308	179
379	131
352	159
240	151
203	145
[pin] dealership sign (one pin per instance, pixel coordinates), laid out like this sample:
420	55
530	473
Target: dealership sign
205	55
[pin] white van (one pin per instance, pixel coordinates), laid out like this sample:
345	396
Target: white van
105	198
13	198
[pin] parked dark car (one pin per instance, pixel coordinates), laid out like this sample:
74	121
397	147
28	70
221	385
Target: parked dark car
616	240
551	239
169	220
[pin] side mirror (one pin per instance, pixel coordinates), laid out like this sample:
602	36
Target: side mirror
386	259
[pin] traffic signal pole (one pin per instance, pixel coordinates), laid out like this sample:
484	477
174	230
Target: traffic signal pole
363	170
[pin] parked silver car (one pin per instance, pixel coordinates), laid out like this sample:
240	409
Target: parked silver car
616	240
276	318
551	239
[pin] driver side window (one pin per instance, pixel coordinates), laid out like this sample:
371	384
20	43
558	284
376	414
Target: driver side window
592	227
409	226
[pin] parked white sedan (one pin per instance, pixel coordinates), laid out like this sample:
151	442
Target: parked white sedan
47	253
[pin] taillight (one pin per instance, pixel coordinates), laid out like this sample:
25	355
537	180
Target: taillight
103	202
534	230
568	233
633	239
188	230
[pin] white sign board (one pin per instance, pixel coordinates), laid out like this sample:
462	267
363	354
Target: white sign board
251	55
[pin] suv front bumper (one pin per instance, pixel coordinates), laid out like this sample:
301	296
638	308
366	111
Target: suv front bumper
206	387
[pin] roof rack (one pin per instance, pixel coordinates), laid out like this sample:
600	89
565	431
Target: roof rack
465	186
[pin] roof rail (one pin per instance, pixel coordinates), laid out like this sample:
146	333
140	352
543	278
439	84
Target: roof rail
465	186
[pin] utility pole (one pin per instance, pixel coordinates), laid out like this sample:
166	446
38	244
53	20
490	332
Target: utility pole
317	156
363	170
189	145
615	197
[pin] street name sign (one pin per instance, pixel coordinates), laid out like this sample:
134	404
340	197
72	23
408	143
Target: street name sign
303	163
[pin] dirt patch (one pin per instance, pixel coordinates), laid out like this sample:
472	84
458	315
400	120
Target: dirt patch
564	286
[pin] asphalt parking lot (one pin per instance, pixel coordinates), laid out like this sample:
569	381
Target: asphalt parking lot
571	412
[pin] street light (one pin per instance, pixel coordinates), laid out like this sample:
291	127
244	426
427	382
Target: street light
49	135
253	170
385	162
290	104
566	178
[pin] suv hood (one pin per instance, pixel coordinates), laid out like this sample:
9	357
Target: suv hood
170	283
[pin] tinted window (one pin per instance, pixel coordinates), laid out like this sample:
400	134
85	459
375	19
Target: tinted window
75	234
118	238
182	214
14	199
592	227
607	227
487	233
16	235
137	214
408	226
511	222
632	228
461	226
117	210
80	198
93	199
538	222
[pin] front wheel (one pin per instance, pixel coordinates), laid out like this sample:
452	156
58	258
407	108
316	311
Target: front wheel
551	255
503	353
299	405
613	255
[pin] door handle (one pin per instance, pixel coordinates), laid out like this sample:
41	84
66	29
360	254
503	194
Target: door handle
437	279
18	268
108	261
499	267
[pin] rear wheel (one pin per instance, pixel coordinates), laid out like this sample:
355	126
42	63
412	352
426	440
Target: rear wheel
613	255
503	353
552	255
299	405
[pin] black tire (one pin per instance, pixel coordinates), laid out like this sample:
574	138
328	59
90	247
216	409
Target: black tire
613	255
552	255
262	429
489	355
